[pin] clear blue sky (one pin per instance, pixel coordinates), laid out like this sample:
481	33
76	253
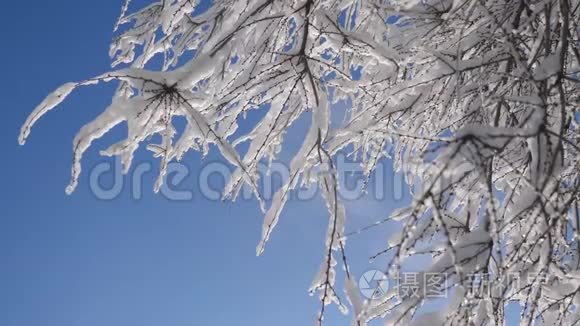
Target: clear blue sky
76	260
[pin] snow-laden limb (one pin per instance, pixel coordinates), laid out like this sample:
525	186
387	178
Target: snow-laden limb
476	102
49	103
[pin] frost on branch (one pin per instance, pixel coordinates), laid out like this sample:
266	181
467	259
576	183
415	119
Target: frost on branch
475	101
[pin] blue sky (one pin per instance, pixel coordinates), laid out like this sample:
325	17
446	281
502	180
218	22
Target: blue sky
77	260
